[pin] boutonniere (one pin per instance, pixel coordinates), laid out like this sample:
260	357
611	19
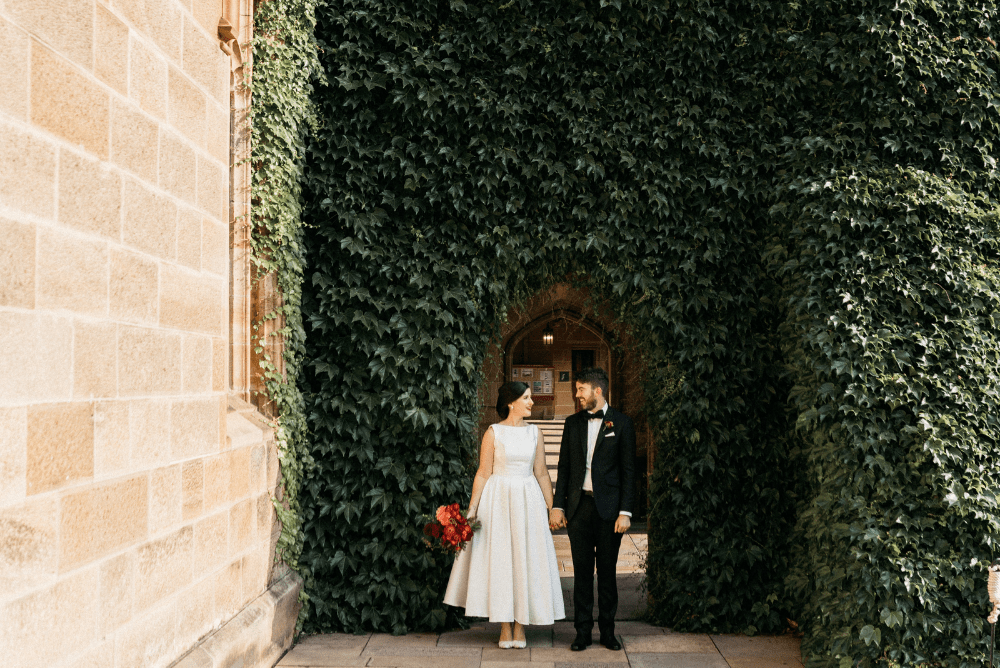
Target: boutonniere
608	424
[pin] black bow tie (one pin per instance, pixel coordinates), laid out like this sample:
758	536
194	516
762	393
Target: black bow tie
597	416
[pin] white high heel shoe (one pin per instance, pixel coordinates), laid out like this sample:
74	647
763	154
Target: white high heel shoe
506	644
519	644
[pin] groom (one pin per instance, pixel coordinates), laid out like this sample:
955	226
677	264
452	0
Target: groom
594	495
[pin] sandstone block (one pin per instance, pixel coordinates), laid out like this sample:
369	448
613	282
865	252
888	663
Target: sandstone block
149	361
28	179
67	103
213	188
101	655
187	107
150	428
216	481
134	141
43	628
196	612
60	445
17	257
194	428
205	62
13	455
219	359
111	438
193	488
164	566
72	273
135	284
158	21
148	79
265	515
255	573
68	25
239	473
118	582
258	470
36	362
165	499
111	55
177	167
94	369
191	302
229	590
197	364
207	13
215	247
150	639
28	545
189	238
102	519
219	139
90	196
241	525
211	537
150	221
14	49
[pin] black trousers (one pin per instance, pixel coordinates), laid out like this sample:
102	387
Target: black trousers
591	540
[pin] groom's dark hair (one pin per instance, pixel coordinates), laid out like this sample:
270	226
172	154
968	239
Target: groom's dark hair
595	377
509	393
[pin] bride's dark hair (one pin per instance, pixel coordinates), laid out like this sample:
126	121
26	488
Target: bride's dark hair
509	393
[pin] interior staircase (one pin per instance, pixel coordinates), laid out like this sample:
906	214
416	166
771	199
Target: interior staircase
552	431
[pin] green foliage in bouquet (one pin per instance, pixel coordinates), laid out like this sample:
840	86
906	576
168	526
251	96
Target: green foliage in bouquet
791	204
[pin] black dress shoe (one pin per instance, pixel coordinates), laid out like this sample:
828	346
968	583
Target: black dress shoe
581	643
611	643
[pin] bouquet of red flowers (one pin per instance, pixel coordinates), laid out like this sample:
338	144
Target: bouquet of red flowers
449	529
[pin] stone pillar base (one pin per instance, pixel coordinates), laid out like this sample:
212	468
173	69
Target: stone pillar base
257	636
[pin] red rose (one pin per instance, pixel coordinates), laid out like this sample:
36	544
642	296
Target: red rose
442	514
466	532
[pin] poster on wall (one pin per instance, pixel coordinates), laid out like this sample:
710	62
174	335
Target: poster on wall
527	373
536	387
545	376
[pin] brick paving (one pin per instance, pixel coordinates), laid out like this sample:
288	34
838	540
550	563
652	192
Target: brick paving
644	645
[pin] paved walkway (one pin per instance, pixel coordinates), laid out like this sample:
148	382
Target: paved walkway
645	646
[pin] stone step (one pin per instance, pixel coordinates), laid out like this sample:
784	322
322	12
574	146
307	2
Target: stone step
551	433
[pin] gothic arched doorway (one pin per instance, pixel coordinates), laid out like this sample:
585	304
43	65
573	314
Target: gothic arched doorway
543	343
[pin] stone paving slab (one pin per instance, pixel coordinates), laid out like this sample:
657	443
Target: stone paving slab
516	664
677	660
676	643
496	655
331	649
732	646
593	654
763	662
430	652
422	662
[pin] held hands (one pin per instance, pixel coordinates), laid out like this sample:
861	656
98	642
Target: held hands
557	519
622	523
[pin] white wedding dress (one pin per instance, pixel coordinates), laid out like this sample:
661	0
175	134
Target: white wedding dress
508	571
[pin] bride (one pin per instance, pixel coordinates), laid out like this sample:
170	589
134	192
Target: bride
508	571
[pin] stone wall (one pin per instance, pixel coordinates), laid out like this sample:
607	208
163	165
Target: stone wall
135	487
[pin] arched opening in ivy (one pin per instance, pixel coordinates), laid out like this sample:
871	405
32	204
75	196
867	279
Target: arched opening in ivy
582	331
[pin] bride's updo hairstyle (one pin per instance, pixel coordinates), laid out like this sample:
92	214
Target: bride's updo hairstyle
509	393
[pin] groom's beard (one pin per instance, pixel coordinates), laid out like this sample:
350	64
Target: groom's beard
590	404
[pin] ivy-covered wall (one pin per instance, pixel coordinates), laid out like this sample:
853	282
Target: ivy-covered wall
792	203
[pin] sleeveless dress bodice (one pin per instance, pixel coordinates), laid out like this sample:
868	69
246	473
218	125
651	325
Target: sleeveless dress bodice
514	450
508	571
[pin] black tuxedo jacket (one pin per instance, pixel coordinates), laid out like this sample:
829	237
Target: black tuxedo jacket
612	470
